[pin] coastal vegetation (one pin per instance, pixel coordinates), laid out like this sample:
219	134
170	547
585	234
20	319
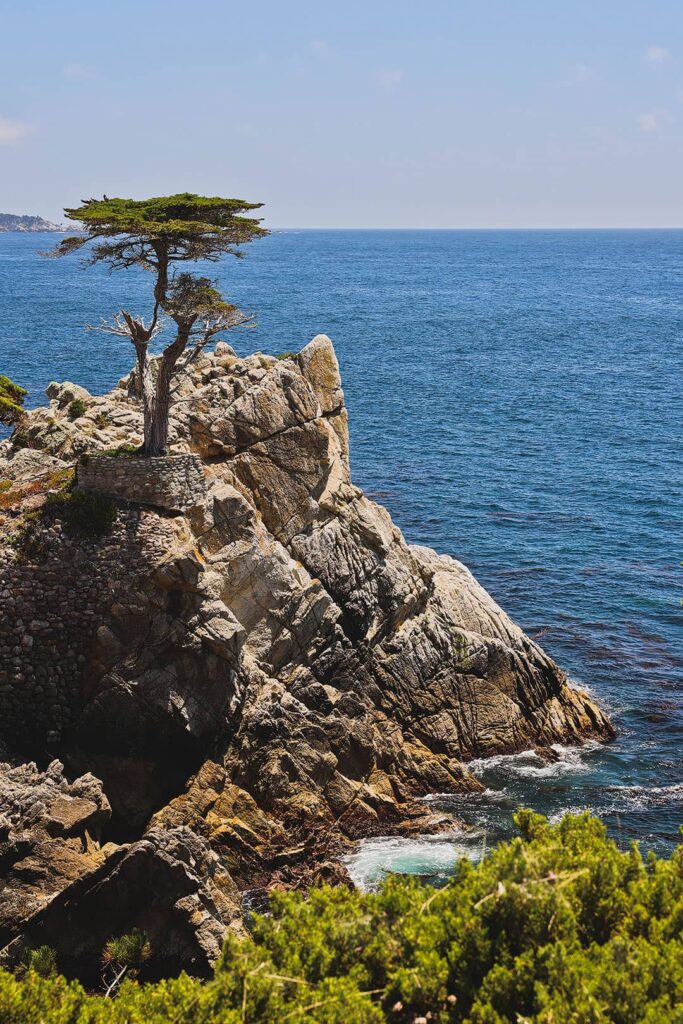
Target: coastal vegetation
158	235
556	926
12	398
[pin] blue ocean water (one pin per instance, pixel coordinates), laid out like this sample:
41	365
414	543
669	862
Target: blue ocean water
515	400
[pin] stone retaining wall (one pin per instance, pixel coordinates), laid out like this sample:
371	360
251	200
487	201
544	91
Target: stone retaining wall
53	599
172	482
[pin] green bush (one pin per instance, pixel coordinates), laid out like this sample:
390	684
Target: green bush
84	511
555	927
123	449
20	438
124	955
11	401
76	408
42	960
130	950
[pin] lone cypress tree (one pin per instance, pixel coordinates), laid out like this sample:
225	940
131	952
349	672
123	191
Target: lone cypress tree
158	234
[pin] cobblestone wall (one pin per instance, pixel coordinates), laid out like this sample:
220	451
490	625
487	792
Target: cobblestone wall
172	482
52	601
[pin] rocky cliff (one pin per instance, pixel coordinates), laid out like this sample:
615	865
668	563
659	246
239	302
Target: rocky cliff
26	222
239	670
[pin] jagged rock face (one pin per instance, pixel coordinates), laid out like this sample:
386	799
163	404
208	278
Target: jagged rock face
62	888
48	830
284	665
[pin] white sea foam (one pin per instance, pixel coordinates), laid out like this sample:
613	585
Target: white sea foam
486	796
529	764
559	815
624	799
578	684
423	855
634	797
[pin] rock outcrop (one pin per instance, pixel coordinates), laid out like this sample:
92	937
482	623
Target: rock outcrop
256	680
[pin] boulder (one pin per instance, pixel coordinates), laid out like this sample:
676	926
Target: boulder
48	838
66	392
26	464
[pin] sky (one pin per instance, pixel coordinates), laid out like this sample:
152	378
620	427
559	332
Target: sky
440	113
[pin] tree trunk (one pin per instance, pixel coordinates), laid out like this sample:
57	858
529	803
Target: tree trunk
157	403
156	422
148	393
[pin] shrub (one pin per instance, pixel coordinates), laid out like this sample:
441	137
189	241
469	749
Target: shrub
123	449
130	950
20	438
286	355
102	419
555	927
124	955
42	960
76	408
84	511
11	401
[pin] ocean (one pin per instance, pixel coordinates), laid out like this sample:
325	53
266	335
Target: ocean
515	400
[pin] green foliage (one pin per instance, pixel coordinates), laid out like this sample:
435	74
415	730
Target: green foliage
556	927
13	492
42	960
143	231
123	449
76	408
20	438
191	298
124	955
83	511
130	950
286	355
157	234
11	401
62	501
102	419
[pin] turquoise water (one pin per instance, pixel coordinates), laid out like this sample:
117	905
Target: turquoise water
515	400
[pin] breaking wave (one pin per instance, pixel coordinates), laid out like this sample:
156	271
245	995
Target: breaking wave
433	857
530	764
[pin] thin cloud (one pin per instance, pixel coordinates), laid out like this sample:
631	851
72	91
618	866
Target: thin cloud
648	122
77	72
580	73
12	132
319	46
656	54
389	81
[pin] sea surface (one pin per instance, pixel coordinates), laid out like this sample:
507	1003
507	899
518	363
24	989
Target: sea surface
515	400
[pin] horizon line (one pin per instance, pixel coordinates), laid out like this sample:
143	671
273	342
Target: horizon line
517	227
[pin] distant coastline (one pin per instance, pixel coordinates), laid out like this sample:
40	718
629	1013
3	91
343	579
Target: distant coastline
26	222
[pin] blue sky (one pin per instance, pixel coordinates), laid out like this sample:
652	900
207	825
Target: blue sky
444	113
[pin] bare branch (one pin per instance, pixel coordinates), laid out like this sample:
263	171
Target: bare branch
120	325
207	331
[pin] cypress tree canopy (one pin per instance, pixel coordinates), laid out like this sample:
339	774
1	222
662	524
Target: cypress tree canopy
180	227
157	234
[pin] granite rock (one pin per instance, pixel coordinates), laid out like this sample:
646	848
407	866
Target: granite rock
264	675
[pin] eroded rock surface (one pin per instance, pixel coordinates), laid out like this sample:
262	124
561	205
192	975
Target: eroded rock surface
260	679
62	888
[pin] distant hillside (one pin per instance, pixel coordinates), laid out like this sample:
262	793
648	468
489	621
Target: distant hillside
14	222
